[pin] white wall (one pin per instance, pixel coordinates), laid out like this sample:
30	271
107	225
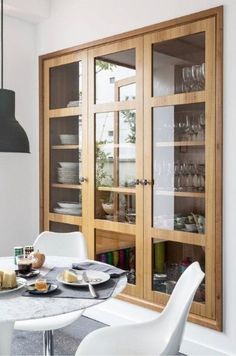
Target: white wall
75	22
19	212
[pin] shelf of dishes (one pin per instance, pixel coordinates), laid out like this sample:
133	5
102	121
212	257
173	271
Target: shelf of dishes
194	223
165	283
122	258
68	172
170	259
121	215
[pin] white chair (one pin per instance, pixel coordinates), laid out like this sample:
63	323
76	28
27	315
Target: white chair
161	336
70	244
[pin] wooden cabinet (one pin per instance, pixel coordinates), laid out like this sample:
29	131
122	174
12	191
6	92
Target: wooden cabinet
132	155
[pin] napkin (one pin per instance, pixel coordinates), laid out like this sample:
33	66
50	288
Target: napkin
103	267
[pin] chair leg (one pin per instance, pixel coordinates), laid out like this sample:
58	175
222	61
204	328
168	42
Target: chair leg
48	343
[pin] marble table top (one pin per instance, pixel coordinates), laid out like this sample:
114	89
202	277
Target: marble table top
13	306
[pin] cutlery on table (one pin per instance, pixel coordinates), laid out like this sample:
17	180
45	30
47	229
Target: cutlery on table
91	289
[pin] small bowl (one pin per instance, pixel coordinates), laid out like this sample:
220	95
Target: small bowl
191	227
69	139
108	208
131	218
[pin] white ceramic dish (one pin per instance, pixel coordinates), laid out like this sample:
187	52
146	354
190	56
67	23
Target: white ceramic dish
70	165
69	204
67	139
191	227
68	211
21	282
108	208
95	277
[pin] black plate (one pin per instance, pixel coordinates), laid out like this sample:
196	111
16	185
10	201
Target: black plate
51	288
33	273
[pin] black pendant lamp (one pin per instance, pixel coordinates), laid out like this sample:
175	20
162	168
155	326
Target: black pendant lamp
12	135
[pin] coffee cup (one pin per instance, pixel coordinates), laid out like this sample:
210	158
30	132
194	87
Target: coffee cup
24	264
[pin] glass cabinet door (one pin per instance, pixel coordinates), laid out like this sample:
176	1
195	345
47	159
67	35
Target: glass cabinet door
179	122
66	140
117	129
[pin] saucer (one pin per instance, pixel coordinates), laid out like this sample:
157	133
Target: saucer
51	288
33	273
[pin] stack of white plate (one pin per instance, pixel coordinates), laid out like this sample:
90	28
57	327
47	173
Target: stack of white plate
68	208
68	172
68	139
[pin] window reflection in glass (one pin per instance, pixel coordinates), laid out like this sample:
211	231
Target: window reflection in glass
116	148
113	72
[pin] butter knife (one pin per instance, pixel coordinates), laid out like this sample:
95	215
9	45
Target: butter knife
91	289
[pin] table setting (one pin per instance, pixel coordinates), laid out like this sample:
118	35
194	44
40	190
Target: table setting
25	302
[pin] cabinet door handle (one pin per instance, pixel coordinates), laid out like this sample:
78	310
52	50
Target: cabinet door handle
82	179
137	182
145	182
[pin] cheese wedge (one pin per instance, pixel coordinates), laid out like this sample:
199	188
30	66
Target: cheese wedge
70	277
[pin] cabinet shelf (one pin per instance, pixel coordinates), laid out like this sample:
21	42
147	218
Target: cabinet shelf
66	186
124	190
65	112
66	147
179	99
179	236
66	219
123	228
180	144
181	194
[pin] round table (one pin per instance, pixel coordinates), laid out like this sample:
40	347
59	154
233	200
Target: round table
13	306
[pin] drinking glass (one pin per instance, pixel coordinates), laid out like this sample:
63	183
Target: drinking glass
202	124
187	79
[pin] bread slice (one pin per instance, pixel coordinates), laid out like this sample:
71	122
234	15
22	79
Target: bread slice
8	279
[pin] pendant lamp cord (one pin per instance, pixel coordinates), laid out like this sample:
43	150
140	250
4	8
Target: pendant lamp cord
1	44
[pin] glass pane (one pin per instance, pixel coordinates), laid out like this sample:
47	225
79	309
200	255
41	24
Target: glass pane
116	149
179	65
179	168
118	250
60	227
113	72
170	259
65	165
66	85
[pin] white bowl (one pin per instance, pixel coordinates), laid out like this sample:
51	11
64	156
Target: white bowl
108	208
69	139
69	165
191	227
69	204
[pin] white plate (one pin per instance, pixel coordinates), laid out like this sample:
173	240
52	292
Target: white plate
21	282
69	204
67	211
69	139
95	277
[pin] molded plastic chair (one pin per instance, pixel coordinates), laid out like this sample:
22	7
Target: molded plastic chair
70	244
161	336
